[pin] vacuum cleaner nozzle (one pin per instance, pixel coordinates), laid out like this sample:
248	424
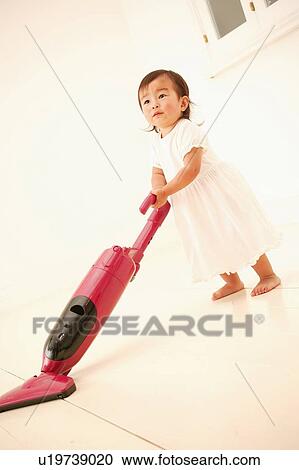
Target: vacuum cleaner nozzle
38	389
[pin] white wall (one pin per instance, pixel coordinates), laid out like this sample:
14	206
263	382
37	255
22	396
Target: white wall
62	203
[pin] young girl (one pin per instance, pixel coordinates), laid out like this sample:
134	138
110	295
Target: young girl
222	226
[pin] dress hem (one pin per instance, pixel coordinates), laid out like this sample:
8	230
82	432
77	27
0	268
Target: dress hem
252	262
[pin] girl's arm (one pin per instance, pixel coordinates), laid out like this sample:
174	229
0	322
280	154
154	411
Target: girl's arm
158	178
192	163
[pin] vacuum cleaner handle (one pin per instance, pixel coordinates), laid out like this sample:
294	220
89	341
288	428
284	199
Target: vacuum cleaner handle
148	201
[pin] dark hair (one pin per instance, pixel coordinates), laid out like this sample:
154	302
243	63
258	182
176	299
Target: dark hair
179	84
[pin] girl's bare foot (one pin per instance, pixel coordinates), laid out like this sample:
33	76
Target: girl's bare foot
266	284
227	289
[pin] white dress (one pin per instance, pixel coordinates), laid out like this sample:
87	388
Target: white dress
222	226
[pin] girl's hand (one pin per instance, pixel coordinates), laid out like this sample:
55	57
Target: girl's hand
161	197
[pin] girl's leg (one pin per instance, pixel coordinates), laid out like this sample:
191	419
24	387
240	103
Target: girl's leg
233	284
268	279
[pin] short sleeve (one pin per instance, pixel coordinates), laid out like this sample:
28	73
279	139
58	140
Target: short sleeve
190	135
154	157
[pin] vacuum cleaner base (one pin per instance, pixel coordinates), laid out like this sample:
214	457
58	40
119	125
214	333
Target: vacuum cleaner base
38	389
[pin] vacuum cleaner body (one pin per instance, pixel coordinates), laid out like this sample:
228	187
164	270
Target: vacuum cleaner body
84	315
87	310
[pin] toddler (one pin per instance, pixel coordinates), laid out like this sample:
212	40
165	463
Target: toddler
222	226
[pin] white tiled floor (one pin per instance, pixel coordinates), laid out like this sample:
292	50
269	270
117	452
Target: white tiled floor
179	392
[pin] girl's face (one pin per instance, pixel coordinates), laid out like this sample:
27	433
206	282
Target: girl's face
160	97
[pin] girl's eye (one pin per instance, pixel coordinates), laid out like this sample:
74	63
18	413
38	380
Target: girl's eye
162	94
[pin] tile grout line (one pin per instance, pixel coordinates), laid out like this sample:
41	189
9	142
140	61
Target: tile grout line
73	102
251	388
11	435
114	424
239	81
4	429
11	373
87	411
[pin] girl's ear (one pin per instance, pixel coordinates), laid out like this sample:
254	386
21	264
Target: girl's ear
185	102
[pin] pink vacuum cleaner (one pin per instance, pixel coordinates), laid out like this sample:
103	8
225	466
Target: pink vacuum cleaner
84	315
